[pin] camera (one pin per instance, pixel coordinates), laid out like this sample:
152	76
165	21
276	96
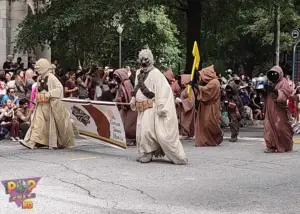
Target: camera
229	71
259	82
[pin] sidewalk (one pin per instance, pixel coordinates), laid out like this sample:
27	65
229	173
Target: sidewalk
254	133
256	123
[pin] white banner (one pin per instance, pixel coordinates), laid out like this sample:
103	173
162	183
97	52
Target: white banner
100	121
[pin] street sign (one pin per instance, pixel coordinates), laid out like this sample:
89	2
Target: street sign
295	34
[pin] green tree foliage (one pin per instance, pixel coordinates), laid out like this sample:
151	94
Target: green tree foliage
86	30
233	34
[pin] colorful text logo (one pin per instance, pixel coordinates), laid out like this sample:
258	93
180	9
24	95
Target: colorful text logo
20	191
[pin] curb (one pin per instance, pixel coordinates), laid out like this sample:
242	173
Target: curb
247	139
296	140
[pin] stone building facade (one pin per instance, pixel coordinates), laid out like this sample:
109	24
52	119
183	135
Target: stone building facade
11	15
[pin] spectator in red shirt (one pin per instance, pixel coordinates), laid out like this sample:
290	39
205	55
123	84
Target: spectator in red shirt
71	90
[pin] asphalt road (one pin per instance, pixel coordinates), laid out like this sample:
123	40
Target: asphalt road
232	178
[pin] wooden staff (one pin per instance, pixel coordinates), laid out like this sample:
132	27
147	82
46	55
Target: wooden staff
123	104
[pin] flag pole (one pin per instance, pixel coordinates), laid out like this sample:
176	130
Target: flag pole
195	66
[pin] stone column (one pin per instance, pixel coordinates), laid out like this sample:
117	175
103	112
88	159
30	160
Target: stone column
18	12
4	31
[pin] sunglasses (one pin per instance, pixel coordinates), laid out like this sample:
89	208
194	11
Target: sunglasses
12	92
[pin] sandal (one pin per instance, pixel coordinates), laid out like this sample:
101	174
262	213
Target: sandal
269	151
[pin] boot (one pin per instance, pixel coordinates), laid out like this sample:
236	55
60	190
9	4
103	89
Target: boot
138	159
146	158
270	151
182	162
233	139
30	145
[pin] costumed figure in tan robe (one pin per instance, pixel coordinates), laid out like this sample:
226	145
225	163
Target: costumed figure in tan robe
51	124
186	110
235	109
124	95
278	132
208	131
157	125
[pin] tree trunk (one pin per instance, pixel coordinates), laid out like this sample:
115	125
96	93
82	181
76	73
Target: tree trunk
193	31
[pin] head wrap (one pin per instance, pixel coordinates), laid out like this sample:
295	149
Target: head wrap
208	74
122	74
146	55
278	70
43	67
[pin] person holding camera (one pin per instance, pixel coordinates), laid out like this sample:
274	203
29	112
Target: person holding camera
71	89
278	132
82	82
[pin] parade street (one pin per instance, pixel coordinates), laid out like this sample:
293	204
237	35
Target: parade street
92	178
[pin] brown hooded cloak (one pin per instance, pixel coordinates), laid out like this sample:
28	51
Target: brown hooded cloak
173	83
128	116
236	113
186	110
208	131
278	132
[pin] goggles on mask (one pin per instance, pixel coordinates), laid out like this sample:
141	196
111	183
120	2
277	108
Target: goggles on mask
273	76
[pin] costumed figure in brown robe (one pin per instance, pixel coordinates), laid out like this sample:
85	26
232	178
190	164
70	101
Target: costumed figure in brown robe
124	95
278	132
208	131
51	124
157	131
186	110
175	89
235	109
173	83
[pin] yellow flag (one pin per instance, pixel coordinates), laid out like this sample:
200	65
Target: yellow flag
196	64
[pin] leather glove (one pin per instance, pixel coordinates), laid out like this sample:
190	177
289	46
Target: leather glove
161	113
178	100
271	89
193	84
132	104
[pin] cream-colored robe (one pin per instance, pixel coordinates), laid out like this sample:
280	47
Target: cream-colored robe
153	132
51	124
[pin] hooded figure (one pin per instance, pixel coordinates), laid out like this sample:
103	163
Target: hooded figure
278	132
235	109
186	109
124	95
51	124
208	131
157	125
175	88
173	82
